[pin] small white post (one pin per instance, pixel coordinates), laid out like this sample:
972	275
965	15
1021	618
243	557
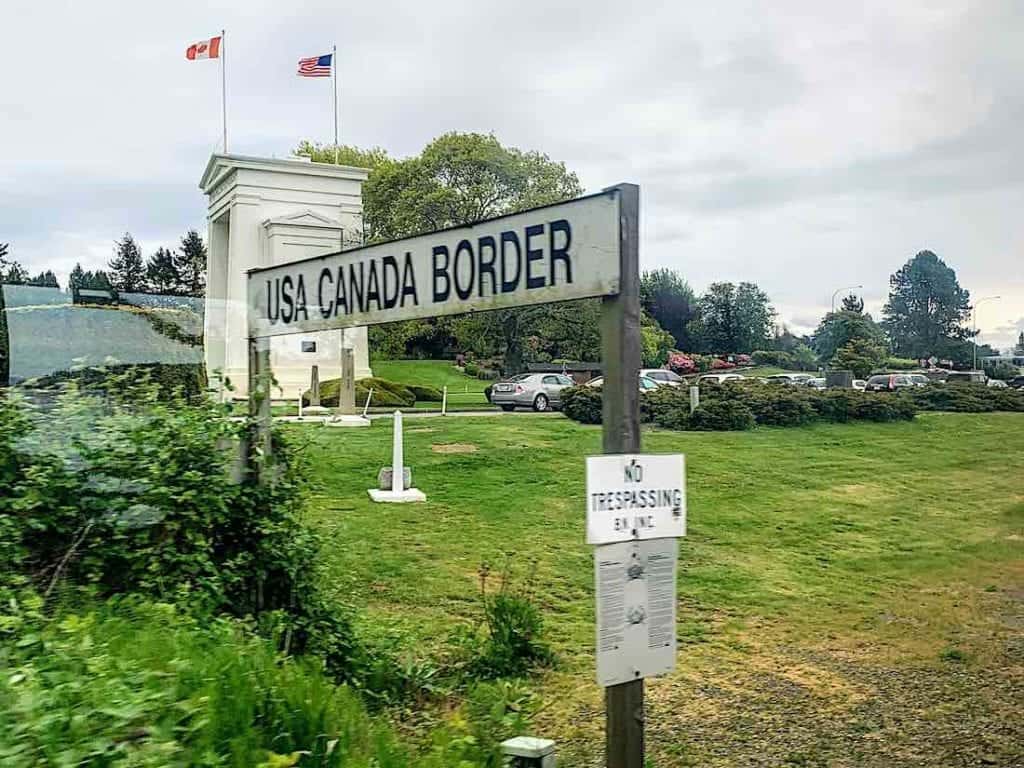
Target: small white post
397	470
694	398
366	407
300	407
444	401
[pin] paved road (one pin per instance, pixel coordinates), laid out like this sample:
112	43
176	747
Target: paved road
413	414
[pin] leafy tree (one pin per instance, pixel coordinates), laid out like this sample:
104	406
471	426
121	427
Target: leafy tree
656	342
853	303
346	155
837	329
927	309
1019	349
804	358
860	355
127	270
45	280
668	298
190	265
162	273
457	179
734	319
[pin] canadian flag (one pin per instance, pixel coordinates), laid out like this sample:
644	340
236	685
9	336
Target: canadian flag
206	49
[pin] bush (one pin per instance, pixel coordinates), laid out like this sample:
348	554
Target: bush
967	398
773	405
668	407
135	492
718	364
1001	369
721	415
582	404
189	379
386	394
681	364
901	364
487	392
471	369
773	358
425	394
137	683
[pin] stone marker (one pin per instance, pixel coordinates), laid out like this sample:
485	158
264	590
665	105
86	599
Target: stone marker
528	752
347	416
314	408
400	492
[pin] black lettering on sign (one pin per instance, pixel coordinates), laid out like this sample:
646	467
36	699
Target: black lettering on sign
532	255
409	281
325	301
355	290
441	271
300	299
389	273
372	286
464	249
560	253
340	297
487	265
287	303
273	307
509	284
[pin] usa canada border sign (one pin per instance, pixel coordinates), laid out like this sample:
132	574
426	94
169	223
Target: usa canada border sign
553	253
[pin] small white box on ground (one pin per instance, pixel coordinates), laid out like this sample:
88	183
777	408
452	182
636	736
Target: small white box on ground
348	421
528	752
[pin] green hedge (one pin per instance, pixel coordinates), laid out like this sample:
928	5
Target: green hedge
425	394
740	406
187	378
967	398
386	394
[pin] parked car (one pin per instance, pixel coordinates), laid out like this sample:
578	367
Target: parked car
789	378
646	382
998	383
540	391
1017	382
888	382
859	384
815	383
919	379
663	376
719	378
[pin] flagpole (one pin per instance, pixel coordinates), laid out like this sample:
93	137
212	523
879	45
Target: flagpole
224	86
334	76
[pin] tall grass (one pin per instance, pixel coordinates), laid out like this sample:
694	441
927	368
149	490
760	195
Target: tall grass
143	684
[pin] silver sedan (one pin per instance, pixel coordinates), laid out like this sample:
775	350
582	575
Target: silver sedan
540	391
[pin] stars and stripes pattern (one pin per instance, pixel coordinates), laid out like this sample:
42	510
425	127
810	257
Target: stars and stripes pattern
316	66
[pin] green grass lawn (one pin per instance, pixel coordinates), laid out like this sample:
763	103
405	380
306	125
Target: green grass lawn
432	373
818	561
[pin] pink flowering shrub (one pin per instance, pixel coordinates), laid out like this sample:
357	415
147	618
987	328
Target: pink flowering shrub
681	364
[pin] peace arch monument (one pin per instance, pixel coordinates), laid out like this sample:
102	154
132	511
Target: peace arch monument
264	212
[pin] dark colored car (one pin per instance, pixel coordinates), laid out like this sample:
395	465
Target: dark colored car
1017	382
888	382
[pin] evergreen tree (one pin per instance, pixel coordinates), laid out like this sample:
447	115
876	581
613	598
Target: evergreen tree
668	298
127	270
927	309
16	274
161	273
853	303
4	247
45	280
190	265
734	318
77	277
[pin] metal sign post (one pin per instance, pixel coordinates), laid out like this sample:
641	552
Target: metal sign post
620	342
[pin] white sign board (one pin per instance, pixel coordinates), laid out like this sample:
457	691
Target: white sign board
555	253
636	609
635	496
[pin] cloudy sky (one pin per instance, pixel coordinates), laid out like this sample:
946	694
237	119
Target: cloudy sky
803	145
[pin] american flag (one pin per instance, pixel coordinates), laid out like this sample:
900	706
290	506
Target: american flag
316	66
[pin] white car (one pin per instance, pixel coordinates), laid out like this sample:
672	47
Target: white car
859	384
663	376
719	378
998	383
790	378
646	382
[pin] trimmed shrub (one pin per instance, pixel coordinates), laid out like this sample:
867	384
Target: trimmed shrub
582	404
774	405
967	398
381	398
722	415
425	394
471	369
774	358
187	378
386	394
1001	369
681	363
668	407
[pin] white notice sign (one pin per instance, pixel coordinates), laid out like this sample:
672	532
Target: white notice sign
636	609
635	496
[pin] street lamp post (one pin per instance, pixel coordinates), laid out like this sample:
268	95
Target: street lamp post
974	328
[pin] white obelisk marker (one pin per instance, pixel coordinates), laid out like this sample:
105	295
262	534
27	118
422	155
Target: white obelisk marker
397	494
